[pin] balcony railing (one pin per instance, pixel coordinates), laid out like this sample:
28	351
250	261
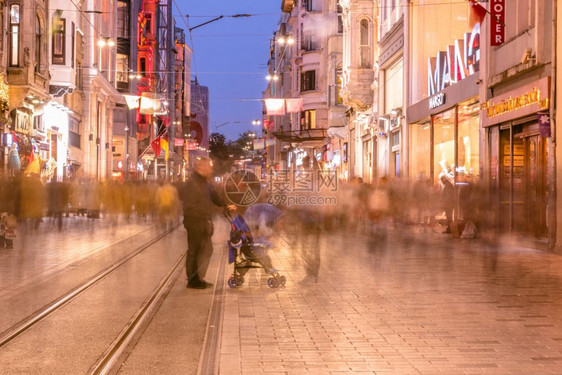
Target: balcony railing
305	135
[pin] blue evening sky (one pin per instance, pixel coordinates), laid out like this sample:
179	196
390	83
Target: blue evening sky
230	57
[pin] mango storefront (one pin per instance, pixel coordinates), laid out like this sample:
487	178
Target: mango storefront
517	135
444	134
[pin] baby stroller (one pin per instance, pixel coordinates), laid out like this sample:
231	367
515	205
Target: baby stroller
246	254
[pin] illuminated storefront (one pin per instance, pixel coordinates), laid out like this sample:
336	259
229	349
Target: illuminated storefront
517	139
447	143
56	123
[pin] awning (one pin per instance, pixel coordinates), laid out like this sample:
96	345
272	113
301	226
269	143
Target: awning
341	132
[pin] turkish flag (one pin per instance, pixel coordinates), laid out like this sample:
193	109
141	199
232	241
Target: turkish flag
156	146
477	13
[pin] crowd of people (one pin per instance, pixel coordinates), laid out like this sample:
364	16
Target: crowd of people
31	200
357	206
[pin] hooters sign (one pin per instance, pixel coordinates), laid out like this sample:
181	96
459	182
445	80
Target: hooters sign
497	32
460	60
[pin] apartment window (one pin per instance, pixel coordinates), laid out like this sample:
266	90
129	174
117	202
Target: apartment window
122	19
308	42
339	84
73	45
122	67
142	66
308	80
308	119
14	35
340	19
59	27
38	123
73	132
364	44
148	24
38	44
1	34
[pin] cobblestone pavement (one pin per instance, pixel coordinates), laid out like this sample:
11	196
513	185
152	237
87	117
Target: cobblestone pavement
416	303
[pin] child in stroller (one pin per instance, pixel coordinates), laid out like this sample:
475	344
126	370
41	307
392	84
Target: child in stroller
247	253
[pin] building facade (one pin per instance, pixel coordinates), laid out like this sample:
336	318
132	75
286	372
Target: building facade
305	56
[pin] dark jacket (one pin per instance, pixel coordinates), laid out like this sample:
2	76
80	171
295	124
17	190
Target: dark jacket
449	194
198	197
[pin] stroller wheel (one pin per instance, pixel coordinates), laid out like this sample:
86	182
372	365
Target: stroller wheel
232	282
282	280
272	282
240	280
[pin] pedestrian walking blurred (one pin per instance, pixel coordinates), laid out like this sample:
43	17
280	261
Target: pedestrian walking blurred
58	201
167	199
32	200
448	200
198	199
8	224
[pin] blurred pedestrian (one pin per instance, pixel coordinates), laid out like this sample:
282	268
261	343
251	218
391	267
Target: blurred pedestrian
448	200
167	199
8	224
32	200
198	199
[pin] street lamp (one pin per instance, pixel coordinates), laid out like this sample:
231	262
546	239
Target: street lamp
256	122
286	40
126	152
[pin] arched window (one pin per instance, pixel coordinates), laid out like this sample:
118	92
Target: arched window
14	35
38	44
364	44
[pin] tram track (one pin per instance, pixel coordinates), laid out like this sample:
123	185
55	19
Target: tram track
113	355
27	323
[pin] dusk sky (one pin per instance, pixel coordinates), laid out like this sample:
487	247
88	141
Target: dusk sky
230	57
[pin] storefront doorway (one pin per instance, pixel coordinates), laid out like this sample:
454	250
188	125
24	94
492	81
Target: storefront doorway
522	190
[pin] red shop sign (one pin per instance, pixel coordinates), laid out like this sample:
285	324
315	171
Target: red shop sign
497	20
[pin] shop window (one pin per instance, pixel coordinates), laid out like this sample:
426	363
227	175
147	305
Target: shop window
420	162
308	80
308	119
59	27
443	144
364	44
14	35
468	142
